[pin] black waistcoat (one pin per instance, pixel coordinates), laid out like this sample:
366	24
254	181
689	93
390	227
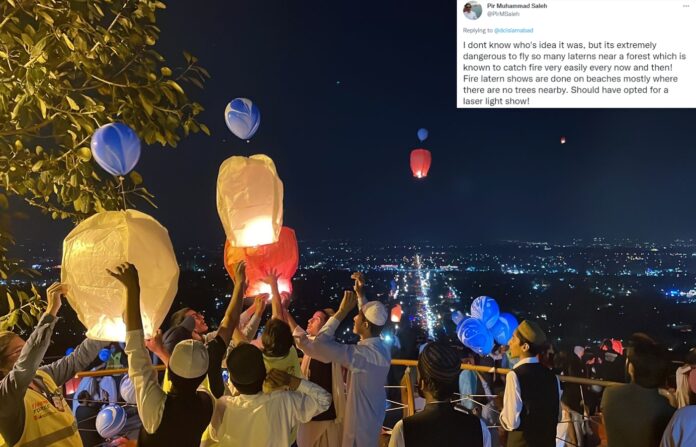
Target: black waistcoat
320	373
539	417
440	425
184	420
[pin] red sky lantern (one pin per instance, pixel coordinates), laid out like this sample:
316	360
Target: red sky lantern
283	256
420	162
396	313
563	140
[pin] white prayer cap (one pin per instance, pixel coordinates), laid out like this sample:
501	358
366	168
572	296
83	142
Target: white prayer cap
375	312
189	359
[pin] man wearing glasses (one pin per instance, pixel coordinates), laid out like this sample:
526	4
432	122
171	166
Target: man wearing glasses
469	13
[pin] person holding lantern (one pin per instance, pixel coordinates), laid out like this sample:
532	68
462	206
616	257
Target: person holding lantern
33	409
367	363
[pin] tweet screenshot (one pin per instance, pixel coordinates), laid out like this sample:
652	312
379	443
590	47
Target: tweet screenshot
576	54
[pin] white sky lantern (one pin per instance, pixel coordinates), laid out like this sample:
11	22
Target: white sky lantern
106	240
250	200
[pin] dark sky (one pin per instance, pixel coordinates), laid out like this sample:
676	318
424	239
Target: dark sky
342	149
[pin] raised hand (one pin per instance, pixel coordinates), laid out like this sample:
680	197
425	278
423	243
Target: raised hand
359	285
260	301
277	378
239	273
350	300
53	297
127	275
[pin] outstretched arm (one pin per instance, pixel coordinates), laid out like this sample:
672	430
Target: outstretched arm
276	306
359	288
231	319
149	394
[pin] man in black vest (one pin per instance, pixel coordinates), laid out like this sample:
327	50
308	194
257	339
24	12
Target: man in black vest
440	423
531	405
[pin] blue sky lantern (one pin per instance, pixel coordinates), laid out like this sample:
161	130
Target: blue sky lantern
104	354
422	134
485	309
242	118
111	421
503	328
116	148
474	334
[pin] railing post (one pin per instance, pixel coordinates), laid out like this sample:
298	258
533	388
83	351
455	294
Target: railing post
407	393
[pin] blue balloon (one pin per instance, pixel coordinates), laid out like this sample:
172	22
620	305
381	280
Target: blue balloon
104	354
127	390
116	148
242	118
111	421
503	328
69	351
474	334
457	317
422	134
485	309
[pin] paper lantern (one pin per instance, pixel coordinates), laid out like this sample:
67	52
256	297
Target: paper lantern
474	334
250	200
563	140
104	241
116	148
127	390
396	313
242	118
485	309
282	256
503	328
420	162
111	421
422	134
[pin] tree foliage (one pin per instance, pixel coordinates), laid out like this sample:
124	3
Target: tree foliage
68	67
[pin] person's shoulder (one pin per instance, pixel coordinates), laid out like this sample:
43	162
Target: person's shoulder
686	416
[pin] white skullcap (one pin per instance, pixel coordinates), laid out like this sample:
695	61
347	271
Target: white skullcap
189	359
375	312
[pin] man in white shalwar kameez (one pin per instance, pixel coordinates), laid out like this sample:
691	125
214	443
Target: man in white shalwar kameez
326	429
367	363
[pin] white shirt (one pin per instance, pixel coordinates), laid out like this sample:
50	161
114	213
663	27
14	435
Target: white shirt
512	400
368	364
149	394
266	420
397	436
471	15
681	430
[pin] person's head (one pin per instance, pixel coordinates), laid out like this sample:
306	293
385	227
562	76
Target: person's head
246	368
318	320
370	320
188	366
438	371
467	356
178	317
607	345
647	361
277	338
467	7
528	340
11	346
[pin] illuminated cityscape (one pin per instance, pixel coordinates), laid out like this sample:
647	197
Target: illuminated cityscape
583	291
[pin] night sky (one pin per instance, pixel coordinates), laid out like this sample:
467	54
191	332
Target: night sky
344	86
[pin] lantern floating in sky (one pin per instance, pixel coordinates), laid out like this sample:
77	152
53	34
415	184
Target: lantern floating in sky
250	200
563	140
282	256
396	313
422	134
116	148
420	162
104	241
242	117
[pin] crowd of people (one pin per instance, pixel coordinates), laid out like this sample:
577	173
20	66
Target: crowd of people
300	386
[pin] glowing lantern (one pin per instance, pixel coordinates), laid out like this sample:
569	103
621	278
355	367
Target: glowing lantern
563	140
106	240
396	313
250	200
420	162
283	257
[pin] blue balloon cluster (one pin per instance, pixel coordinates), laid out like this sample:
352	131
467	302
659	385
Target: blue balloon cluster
111	421
242	118
116	148
486	325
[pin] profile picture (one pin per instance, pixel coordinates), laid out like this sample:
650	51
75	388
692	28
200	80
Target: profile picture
472	10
